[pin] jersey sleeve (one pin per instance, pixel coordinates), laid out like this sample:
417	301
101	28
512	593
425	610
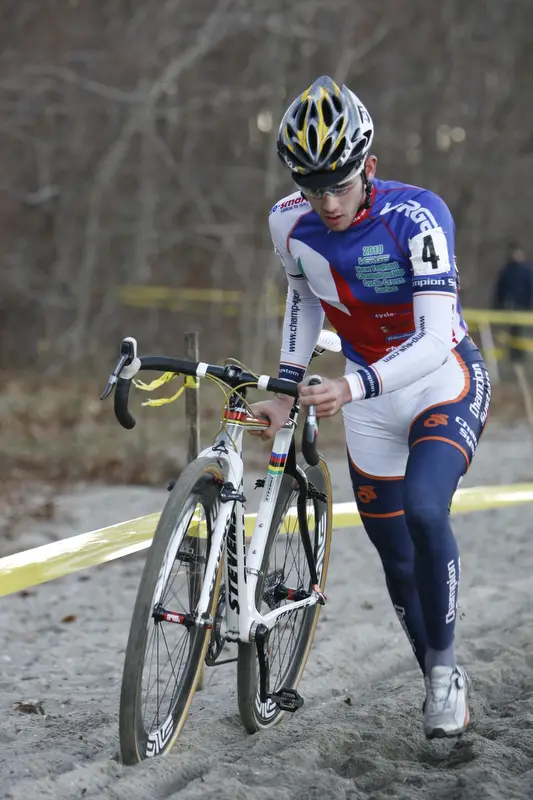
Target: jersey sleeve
304	315
430	244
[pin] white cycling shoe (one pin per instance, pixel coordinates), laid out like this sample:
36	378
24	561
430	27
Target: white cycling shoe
446	708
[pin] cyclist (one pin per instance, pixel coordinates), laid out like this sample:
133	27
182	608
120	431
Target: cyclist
377	258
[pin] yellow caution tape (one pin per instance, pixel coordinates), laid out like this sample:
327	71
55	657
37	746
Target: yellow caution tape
156	383
163	401
190	382
51	561
477	316
171	297
514	341
166	294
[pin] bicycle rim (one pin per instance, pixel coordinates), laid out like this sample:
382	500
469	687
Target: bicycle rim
164	659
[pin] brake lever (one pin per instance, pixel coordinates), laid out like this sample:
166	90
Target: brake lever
310	432
128	353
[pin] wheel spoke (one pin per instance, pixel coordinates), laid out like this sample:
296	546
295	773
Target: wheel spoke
164	678
288	560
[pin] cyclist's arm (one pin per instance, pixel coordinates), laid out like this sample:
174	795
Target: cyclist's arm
434	309
304	315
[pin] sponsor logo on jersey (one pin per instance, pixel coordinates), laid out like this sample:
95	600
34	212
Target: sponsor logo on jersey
394	336
366	493
467	433
293	325
409	343
372	250
453	584
435	420
415	211
287	205
481	384
420	283
376	271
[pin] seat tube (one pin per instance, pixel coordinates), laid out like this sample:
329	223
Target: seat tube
256	548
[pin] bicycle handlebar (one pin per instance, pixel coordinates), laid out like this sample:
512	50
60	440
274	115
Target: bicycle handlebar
122	412
129	364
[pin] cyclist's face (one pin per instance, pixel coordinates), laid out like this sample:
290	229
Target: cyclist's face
337	212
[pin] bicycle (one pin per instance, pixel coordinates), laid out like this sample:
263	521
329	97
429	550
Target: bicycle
265	596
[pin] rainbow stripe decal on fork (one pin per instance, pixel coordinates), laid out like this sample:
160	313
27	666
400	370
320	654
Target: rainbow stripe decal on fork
277	463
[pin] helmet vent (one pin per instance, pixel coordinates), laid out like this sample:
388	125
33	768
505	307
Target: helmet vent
327	112
299	153
325	149
300	117
337	153
337	105
312	139
359	144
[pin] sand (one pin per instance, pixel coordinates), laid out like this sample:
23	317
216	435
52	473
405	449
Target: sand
359	732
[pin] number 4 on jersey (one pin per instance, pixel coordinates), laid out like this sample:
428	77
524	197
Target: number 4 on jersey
428	252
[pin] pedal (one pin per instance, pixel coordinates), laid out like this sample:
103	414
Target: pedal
287	700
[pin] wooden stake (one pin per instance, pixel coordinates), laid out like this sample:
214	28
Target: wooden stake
192	405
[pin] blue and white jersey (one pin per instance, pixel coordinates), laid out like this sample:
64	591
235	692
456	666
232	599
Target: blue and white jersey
387	284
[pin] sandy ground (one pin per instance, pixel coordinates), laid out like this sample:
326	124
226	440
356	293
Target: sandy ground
359	732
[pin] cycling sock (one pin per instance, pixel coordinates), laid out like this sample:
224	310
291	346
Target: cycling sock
439	658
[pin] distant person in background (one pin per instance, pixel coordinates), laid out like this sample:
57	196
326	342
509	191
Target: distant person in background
514	290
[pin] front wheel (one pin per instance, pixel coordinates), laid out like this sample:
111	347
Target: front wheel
164	660
284	562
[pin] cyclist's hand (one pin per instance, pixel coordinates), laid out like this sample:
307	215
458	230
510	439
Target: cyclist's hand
328	396
276	410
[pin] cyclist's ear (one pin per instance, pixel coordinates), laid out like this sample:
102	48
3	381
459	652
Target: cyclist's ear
370	167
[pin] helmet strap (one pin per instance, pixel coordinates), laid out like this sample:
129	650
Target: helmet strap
367	185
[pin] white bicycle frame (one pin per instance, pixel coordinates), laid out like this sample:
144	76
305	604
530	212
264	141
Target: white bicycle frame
242	565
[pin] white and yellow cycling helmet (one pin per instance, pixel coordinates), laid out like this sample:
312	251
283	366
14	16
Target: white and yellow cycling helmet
325	130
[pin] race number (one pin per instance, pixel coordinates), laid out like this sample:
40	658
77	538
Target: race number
429	252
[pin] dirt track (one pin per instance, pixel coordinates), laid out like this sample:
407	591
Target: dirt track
358	734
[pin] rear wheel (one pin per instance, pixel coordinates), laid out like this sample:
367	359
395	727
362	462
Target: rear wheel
164	660
285	563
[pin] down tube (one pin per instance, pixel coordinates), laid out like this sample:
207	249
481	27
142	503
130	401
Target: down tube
235	573
256	548
220	531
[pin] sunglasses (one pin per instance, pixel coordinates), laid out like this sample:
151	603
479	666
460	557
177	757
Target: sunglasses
337	190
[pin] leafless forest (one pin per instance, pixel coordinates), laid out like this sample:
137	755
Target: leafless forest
138	148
